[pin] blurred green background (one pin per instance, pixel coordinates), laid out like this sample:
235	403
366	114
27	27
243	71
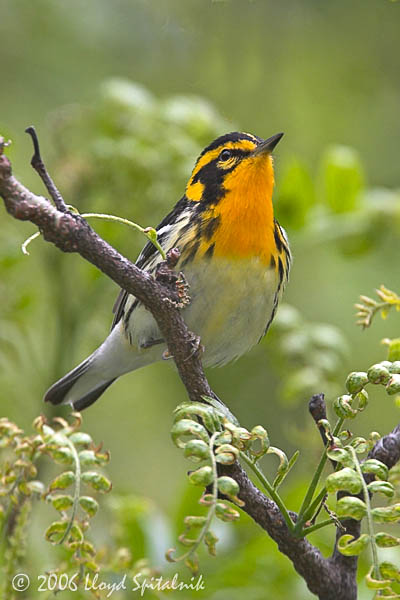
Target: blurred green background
124	95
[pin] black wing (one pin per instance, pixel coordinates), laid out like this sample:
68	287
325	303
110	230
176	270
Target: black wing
150	254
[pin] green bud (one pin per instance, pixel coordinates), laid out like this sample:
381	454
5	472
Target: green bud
340	455
393	385
89	505
385	540
378	374
228	486
206	413
346	479
187	427
376	584
378	468
192	563
62	455
386	514
225	437
356	381
351	507
79	438
259	433
389	571
60	502
240	436
343	409
55	532
381	487
386	363
97	481
87	458
87	548
62	481
76	532
202	476
359	444
349	546
226	454
196	450
361	398
226	513
210	539
183	539
395	367
206	499
194	521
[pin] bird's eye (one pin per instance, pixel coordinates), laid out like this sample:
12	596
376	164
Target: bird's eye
225	155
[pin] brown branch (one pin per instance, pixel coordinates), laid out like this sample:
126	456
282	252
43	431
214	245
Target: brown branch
327	578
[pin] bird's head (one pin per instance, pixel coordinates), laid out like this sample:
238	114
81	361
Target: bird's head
236	163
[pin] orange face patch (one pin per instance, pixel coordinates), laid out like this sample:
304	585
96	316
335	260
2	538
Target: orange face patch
245	211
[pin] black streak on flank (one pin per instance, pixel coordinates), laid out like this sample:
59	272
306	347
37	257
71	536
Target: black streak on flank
210	227
210	251
272	262
280	266
192	254
277	237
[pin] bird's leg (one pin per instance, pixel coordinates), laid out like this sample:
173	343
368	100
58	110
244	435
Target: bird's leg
150	343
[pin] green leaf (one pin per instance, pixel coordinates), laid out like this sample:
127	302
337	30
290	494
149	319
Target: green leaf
296	195
228	486
346	479
351	507
343	179
62	455
225	512
210	539
97	481
386	514
349	546
390	571
60	502
185	428
356	381
79	438
381	487
62	481
89	505
202	476
378	468
55	532
393	385
385	540
196	450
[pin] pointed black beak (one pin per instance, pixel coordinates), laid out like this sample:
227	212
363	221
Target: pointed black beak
267	146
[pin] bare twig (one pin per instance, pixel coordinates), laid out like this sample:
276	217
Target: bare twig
38	164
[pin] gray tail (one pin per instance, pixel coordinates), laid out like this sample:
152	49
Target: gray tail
59	392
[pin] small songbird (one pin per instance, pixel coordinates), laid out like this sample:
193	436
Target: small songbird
234	256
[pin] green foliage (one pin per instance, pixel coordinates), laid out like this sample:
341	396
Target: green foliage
22	486
309	356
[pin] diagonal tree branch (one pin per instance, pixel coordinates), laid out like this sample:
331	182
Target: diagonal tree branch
329	579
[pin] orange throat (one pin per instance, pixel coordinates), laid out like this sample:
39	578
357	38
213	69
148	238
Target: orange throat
246	217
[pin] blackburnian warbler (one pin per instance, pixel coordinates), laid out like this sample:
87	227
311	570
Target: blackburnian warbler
234	255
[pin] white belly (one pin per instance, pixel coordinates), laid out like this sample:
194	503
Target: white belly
231	305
